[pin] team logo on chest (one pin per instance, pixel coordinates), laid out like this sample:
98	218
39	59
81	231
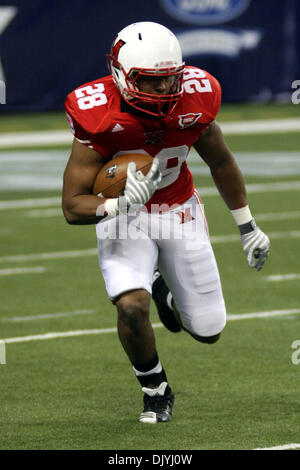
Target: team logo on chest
155	137
186	120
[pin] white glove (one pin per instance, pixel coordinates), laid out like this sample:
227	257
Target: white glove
255	243
139	188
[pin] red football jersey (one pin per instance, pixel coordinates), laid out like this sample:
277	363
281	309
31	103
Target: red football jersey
96	119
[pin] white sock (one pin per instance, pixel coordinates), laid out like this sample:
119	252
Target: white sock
156	370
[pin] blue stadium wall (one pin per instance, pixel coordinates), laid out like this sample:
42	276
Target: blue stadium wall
48	47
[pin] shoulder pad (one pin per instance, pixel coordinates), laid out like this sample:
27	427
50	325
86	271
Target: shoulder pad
87	105
203	90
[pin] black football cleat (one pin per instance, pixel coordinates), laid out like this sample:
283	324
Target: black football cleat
159	294
158	404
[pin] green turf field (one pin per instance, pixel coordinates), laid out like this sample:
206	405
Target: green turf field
79	392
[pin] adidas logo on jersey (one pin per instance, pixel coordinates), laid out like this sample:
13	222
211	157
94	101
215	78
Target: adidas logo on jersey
118	128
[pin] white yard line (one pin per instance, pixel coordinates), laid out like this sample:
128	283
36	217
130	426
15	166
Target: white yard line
93	251
28	203
2	352
15	271
67	334
230	317
62	334
49	256
271	313
282	447
47	316
236	237
38	213
65	137
204	191
261	126
43	169
283	277
256	188
277	216
263	217
36	138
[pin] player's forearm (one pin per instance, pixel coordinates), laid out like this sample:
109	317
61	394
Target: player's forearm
83	209
230	183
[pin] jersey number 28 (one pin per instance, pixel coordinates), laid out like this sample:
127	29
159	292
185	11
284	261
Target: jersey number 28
195	80
90	96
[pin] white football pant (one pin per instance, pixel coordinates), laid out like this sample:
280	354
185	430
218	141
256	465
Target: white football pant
176	243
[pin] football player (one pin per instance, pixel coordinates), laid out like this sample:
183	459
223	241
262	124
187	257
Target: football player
153	103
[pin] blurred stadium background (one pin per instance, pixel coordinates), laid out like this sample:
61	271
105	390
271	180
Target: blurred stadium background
65	381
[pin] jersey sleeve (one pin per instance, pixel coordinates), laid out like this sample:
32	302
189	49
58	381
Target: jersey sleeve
74	122
216	96
202	94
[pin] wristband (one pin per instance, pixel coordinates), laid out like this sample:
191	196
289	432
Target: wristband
242	216
111	206
244	220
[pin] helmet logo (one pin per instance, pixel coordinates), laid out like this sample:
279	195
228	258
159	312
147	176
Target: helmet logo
115	52
165	63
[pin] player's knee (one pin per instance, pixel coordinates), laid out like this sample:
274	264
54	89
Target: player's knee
207	328
133	308
130	317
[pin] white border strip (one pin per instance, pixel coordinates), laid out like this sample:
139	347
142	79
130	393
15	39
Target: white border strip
283	447
68	334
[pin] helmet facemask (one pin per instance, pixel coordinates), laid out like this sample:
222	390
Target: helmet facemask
156	104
